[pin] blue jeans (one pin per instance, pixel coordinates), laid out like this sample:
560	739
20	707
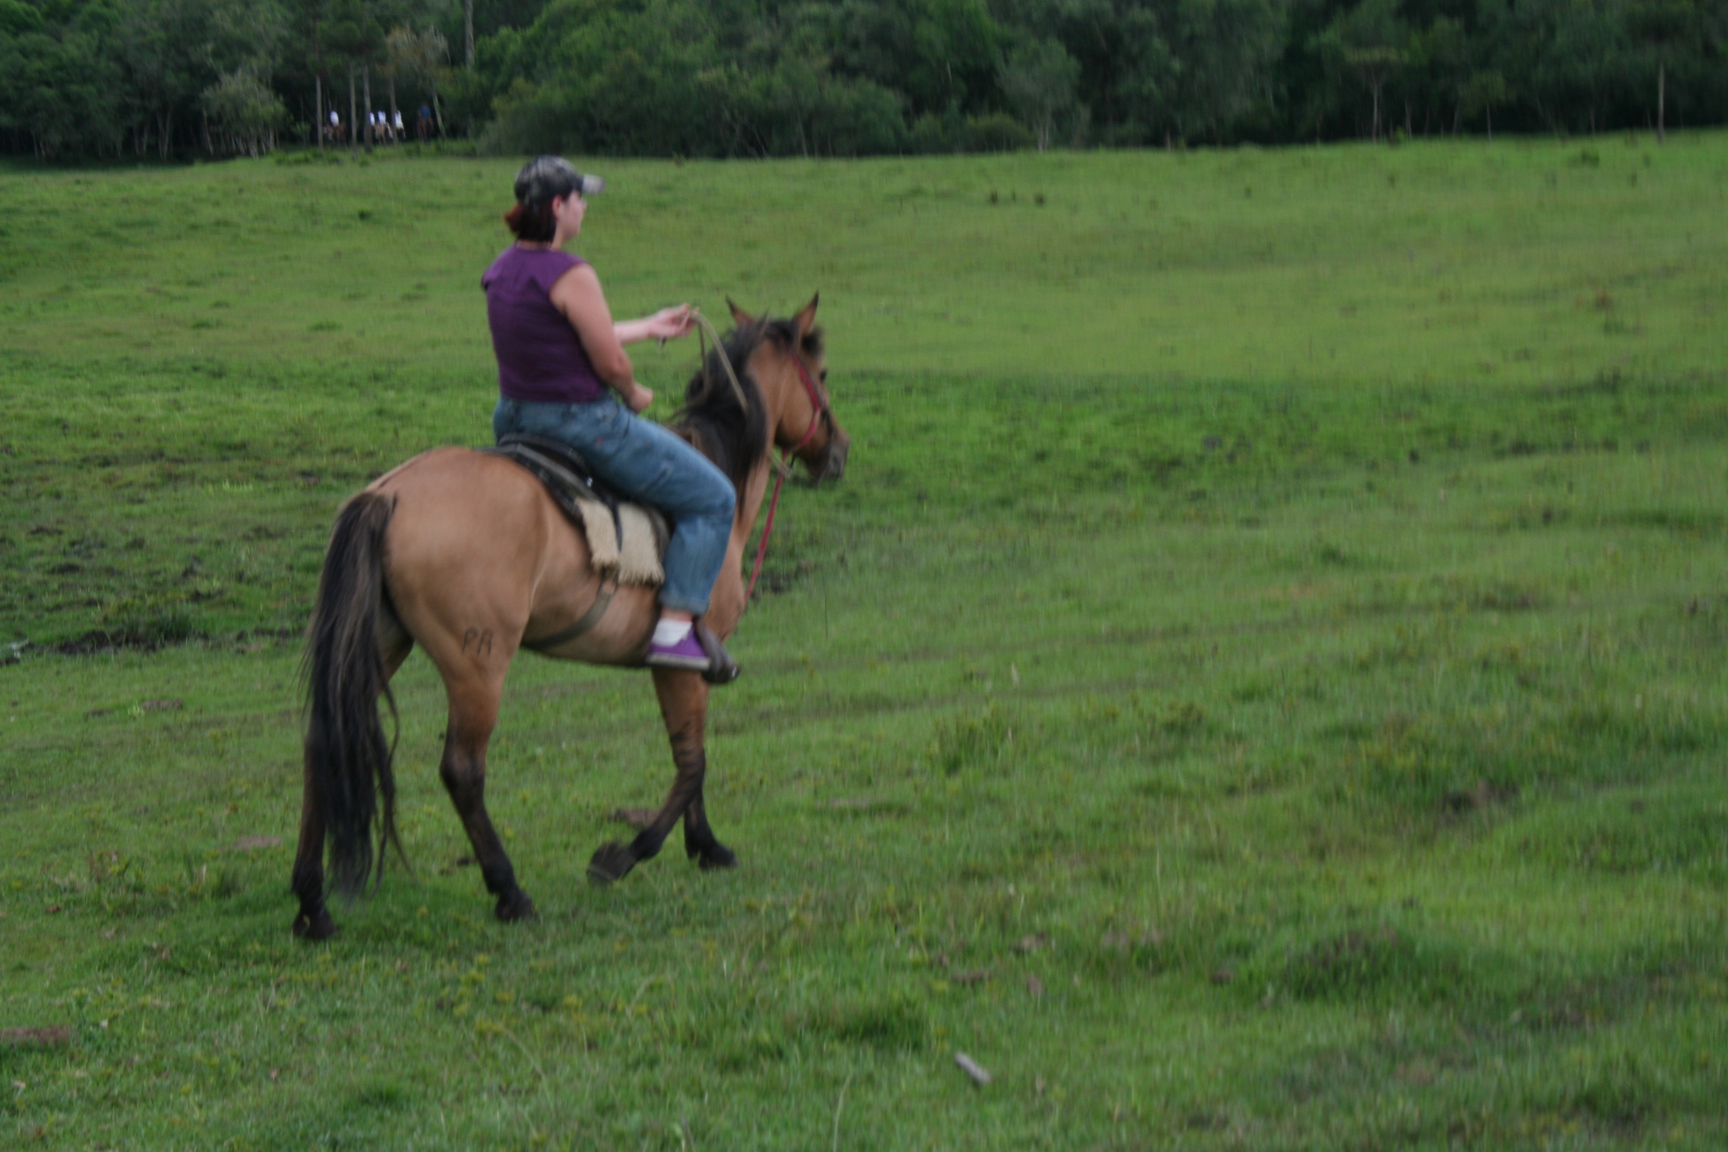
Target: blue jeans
647	463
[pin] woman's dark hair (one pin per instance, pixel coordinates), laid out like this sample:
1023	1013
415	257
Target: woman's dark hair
532	222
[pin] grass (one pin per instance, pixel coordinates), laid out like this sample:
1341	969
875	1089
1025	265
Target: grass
1257	687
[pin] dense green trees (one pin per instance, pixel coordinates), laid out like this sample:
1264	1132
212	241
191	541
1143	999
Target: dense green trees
824	77
109	77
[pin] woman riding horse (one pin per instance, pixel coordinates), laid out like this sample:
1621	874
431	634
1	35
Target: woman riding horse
558	351
466	554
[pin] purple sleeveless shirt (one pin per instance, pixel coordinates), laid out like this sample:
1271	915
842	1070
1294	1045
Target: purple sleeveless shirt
539	355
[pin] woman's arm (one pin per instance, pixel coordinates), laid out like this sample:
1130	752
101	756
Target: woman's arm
577	294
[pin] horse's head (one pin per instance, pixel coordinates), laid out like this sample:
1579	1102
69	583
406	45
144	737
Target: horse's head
787	364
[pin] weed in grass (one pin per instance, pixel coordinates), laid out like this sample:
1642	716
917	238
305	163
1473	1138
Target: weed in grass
890	1024
1366	961
980	740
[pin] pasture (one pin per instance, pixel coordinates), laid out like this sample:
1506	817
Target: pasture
1258	685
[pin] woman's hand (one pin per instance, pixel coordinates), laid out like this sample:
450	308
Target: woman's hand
670	323
666	324
638	398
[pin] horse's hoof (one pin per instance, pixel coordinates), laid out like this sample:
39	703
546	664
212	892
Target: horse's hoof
716	856
611	862
315	928
515	906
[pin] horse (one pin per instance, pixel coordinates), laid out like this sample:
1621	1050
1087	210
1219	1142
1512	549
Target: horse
465	553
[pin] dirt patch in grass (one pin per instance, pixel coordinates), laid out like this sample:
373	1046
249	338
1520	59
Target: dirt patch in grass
52	1036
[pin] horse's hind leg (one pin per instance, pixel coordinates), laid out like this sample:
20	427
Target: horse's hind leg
684	707
474	695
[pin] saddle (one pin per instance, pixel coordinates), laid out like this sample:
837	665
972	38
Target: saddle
625	540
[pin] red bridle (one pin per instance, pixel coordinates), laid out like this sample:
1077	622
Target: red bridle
819	410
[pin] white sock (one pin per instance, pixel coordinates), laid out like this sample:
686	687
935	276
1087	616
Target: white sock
670	632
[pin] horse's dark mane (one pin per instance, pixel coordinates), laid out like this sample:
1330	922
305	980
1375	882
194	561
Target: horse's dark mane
732	438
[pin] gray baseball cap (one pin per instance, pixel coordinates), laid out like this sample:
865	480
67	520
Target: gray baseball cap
549	177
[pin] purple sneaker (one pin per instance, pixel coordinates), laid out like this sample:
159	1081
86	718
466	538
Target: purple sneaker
687	653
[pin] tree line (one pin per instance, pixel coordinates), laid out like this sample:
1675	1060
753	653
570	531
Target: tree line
172	78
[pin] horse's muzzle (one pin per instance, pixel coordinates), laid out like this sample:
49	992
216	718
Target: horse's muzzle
831	464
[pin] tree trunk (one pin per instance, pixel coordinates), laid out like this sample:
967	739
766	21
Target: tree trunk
366	84
1374	132
165	141
353	124
468	29
208	150
1409	130
393	107
318	79
1661	102
318	113
1488	110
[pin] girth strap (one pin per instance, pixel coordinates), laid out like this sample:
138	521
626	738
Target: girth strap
588	619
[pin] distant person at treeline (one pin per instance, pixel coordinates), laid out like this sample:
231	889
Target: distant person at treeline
563	373
425	123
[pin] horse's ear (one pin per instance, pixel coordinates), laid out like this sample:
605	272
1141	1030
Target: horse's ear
806	319
739	317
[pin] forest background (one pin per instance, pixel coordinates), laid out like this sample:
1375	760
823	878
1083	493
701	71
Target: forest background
129	79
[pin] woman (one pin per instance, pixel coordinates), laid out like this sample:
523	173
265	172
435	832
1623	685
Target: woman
563	373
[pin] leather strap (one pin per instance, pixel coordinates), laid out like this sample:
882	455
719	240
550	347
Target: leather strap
558	450
587	621
722	669
819	410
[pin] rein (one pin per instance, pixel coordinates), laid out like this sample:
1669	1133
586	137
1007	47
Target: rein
704	333
819	409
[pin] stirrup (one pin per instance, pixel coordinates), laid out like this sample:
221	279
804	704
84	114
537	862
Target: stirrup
722	669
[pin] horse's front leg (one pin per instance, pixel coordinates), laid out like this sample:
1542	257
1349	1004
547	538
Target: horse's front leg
683	699
700	843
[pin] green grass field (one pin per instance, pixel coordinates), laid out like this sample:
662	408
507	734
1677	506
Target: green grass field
1257	687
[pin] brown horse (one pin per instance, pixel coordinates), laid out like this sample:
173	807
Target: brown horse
467	555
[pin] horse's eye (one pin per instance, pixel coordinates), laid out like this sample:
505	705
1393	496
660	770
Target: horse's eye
823	375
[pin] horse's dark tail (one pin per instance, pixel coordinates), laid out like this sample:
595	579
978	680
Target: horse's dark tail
347	755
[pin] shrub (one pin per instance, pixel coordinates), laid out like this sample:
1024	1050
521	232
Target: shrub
928	135
997	132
